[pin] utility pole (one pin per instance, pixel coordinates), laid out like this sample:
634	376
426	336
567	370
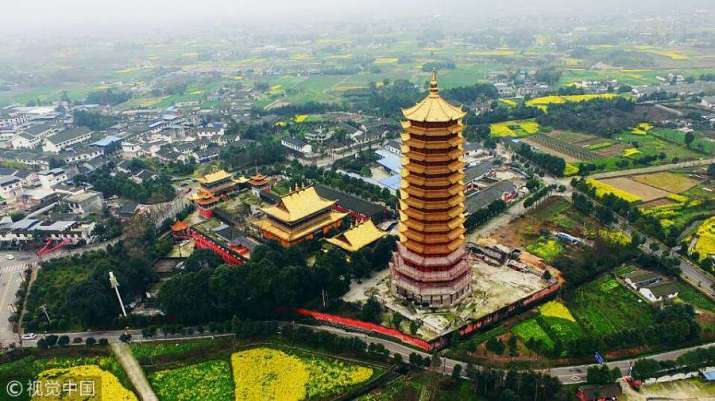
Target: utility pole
115	284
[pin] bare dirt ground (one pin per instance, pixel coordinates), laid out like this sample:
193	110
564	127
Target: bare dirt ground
646	192
614	150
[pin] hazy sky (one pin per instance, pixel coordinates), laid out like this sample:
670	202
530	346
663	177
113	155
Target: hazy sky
81	15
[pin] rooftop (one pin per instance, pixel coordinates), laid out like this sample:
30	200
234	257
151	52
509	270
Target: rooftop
214	177
69	134
298	205
358	237
433	108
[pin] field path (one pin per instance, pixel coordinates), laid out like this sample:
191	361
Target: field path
134	371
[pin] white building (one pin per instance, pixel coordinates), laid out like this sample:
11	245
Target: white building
10	186
23	140
658	293
85	202
50	178
708	102
31	230
65	139
297	145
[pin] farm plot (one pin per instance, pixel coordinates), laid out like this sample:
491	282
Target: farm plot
705	245
530	332
265	373
603	188
206	380
517	128
546	248
61	365
629	186
553	324
604	307
568	151
667	181
555	214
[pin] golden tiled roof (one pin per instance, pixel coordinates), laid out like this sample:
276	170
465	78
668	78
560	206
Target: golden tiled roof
356	238
294	235
433	108
297	205
213	177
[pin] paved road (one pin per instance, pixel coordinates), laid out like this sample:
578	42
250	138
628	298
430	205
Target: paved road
11	277
577	374
566	374
134	371
654	169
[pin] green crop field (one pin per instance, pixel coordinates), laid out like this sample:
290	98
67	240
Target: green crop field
530	330
206	380
604	307
545	248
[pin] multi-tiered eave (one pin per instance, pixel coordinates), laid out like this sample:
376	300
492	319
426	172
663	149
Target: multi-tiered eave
429	265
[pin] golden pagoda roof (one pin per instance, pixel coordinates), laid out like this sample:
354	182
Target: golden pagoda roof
298	204
433	108
358	237
214	177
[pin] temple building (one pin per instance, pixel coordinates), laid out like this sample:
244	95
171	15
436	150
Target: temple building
429	266
212	189
358	237
299	216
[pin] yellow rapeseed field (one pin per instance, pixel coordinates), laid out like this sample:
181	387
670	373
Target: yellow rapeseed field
516	128
556	309
602	189
544	102
386	60
299	118
269	374
706	238
106	386
630	152
641	129
264	374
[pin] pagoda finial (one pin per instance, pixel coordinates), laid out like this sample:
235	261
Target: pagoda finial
433	88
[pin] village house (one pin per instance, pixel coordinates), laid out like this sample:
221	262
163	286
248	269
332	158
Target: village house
65	139
297	146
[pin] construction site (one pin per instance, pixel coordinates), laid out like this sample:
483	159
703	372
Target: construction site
504	281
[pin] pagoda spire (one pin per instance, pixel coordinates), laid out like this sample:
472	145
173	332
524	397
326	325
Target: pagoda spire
433	88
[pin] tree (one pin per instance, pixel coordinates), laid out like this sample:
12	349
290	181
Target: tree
202	259
495	345
371	311
457	372
63	341
645	368
689	138
51	340
435	361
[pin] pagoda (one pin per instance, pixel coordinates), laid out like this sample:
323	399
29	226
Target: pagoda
429	266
